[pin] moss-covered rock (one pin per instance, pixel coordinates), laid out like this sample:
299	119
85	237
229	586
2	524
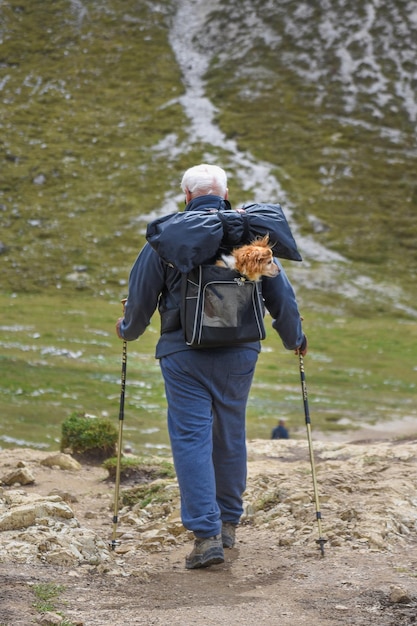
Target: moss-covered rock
139	470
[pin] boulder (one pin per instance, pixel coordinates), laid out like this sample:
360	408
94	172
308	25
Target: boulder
63	461
25	515
20	476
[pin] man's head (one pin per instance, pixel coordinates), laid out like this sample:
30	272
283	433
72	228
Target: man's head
204	179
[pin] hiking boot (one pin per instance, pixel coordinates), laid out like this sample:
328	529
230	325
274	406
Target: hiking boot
228	534
207	551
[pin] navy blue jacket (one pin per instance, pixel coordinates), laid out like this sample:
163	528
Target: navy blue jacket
280	432
154	284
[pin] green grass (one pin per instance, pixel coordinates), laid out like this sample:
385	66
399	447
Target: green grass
86	109
47	595
139	469
55	361
359	370
356	371
79	129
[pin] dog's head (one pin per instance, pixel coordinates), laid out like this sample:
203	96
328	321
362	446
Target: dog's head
256	259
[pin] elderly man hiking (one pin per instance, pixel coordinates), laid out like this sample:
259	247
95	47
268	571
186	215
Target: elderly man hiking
206	388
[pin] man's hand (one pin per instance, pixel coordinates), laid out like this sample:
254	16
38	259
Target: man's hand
118	324
302	348
120	320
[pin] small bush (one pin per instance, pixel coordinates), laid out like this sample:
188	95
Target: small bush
89	438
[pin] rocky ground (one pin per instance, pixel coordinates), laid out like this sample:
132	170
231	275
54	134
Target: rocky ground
56	530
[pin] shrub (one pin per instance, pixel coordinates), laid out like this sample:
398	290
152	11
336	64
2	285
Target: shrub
89	438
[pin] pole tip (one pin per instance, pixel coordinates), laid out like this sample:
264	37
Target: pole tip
113	544
321	543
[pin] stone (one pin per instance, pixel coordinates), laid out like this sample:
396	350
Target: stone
51	619
363	509
63	461
124	548
61	557
398	595
22	515
66	496
20	475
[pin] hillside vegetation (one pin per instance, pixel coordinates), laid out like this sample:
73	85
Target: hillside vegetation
104	104
90	98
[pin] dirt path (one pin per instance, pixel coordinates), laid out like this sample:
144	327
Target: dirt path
266	579
259	583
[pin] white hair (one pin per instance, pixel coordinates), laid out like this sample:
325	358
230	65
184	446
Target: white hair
205	179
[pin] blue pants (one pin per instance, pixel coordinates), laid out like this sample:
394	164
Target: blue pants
207	392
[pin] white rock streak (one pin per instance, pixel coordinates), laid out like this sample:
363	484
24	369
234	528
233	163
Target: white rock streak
256	176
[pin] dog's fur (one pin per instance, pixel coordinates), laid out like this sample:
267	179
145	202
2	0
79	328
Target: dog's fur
253	260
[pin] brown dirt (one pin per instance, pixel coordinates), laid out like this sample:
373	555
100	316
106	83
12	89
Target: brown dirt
261	581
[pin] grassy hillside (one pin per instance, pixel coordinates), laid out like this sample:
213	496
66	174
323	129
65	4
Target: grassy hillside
94	140
327	95
89	100
85	102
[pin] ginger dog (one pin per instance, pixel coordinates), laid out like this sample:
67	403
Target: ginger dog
252	260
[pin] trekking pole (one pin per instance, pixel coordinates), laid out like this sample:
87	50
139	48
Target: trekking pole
320	540
114	542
